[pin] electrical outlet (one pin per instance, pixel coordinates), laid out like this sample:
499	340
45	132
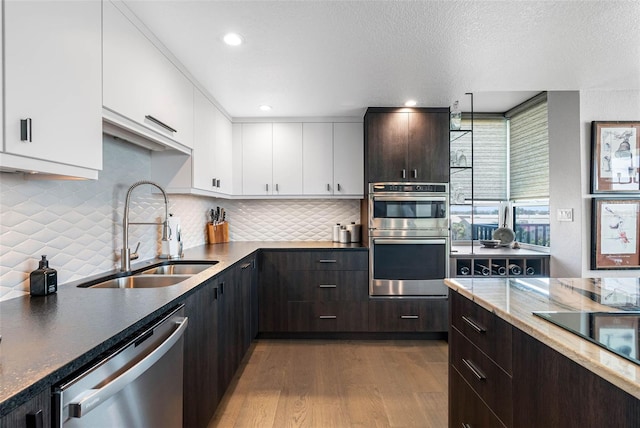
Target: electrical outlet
565	214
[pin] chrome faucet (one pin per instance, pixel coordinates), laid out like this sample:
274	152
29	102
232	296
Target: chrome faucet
125	254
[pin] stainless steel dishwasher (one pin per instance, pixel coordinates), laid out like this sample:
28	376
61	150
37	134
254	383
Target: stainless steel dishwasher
138	385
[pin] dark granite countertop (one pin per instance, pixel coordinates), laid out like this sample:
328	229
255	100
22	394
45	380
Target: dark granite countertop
46	339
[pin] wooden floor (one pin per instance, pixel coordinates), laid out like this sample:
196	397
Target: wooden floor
341	383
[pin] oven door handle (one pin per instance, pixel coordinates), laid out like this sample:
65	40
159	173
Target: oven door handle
409	241
411	198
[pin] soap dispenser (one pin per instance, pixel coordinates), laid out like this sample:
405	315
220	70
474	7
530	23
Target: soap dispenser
44	280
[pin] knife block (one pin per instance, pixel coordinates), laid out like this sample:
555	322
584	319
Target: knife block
218	233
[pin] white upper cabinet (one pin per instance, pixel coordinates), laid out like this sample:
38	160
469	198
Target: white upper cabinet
52	84
257	158
348	159
287	159
317	160
143	90
212	148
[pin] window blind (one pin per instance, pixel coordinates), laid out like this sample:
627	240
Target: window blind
529	149
489	159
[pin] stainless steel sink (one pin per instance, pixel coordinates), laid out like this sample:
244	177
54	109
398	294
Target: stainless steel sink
178	269
142	281
163	274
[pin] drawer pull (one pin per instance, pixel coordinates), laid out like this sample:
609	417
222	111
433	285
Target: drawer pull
245	265
476	371
473	325
327	286
327	261
328	317
465	425
409	317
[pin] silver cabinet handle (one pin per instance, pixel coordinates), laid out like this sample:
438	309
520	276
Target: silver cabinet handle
339	187
245	265
91	398
277	189
266	186
328	187
476	371
473	325
328	317
328	286
218	183
404	173
160	123
415	173
327	261
465	425
213	182
409	317
25	130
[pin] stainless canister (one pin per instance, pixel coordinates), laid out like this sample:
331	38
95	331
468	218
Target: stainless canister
355	231
345	236
336	233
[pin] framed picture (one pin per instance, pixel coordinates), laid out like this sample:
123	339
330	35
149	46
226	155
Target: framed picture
615	226
615	152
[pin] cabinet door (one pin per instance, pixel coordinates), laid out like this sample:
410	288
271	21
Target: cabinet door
223	152
257	155
37	411
317	155
428	151
287	159
272	292
386	146
348	159
228	330
201	356
203	155
53	75
466	409
140	82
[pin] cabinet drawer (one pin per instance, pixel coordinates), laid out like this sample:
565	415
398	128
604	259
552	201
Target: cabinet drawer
466	409
344	285
485	330
320	260
489	381
426	315
327	316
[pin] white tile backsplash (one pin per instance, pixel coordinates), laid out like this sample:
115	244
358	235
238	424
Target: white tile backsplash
78	224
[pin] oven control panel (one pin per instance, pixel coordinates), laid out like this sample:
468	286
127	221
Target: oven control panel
408	187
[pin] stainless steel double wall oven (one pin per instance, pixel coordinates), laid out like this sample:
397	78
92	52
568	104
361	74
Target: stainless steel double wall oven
408	239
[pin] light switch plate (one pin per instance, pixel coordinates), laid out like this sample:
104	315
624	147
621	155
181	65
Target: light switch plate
565	214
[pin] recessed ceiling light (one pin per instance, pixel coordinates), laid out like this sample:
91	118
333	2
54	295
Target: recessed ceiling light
411	103
232	39
265	107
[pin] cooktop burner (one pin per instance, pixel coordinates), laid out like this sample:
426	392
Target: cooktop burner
615	331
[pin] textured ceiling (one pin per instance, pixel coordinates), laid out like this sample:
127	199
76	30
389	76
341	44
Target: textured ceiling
335	58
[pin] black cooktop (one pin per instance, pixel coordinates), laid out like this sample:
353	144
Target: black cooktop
615	331
616	327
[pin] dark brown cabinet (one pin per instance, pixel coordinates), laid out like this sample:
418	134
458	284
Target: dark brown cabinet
222	316
501	376
35	413
313	291
201	394
404	144
414	315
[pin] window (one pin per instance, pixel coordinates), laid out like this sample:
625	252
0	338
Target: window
531	223
486	219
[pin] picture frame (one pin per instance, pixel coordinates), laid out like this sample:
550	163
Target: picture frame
615	229
615	157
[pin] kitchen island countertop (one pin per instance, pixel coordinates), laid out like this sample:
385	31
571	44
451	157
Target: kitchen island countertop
45	339
515	300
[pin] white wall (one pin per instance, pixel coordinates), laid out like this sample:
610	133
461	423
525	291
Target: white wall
565	184
78	224
601	106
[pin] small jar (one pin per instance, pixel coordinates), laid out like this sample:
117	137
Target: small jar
345	236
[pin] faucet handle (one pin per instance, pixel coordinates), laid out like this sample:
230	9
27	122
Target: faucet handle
135	254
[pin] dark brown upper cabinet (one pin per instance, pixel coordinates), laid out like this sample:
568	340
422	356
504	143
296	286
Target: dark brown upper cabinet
406	144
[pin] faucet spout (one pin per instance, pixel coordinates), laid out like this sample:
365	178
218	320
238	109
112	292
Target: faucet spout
125	253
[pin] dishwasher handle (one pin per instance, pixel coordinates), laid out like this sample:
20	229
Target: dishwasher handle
91	398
